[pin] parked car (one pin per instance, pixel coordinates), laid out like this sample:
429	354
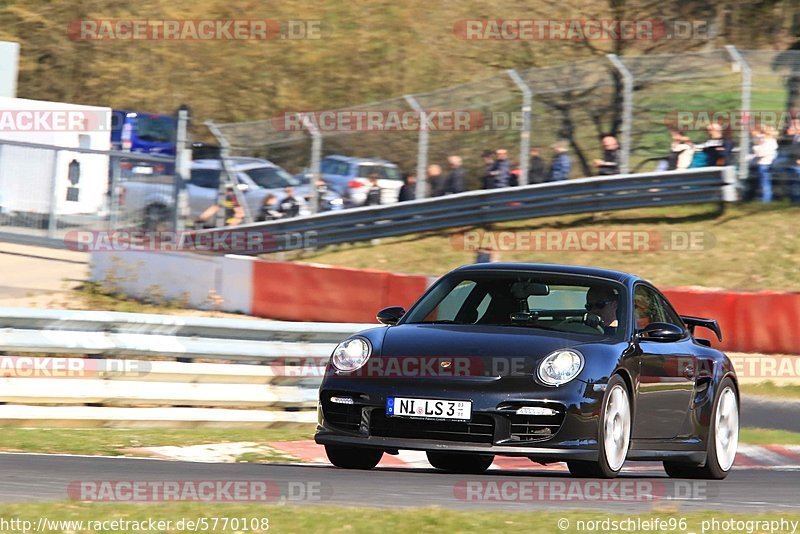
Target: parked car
549	362
256	178
347	176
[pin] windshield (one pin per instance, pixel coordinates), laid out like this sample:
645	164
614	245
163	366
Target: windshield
383	172
155	129
272	177
563	303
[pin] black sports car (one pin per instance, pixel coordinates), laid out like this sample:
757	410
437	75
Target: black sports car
555	363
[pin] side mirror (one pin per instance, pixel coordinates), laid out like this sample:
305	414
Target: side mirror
390	315
662	332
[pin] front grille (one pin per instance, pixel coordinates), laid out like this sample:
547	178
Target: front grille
479	430
535	427
345	416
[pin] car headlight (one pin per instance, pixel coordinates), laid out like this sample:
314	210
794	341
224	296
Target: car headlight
560	367
351	354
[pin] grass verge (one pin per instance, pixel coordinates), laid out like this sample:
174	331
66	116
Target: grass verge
770	389
748	246
767	436
112	442
356	520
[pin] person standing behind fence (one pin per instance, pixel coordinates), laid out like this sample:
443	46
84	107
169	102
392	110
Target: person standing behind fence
717	148
374	193
681	151
409	189
561	166
500	172
793	132
537	169
765	148
434	180
290	205
609	164
488	164
454	181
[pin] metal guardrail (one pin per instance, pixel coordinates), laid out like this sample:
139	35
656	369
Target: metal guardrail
584	195
128	371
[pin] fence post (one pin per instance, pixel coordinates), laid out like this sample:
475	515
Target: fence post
747	84
183	157
52	219
224	153
422	148
525	134
114	207
627	113
316	156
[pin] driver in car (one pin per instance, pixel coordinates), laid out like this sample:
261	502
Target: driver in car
602	301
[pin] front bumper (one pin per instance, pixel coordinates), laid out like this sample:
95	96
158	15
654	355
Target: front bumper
494	428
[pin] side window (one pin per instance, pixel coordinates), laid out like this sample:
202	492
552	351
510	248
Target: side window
208	178
668	313
647	307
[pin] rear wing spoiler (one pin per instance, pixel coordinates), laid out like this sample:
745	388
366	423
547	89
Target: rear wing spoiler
693	322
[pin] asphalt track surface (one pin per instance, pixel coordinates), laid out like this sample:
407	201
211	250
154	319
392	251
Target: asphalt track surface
762	412
32	477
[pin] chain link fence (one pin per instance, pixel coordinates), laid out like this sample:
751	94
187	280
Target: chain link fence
47	191
637	99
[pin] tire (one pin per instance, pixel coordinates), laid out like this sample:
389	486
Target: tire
460	463
156	217
613	434
720	453
353	457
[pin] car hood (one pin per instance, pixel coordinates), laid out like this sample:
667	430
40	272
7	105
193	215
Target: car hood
479	350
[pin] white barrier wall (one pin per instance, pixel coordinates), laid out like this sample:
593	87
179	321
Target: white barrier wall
203	282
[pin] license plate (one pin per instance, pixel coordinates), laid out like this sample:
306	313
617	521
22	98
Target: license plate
143	170
429	408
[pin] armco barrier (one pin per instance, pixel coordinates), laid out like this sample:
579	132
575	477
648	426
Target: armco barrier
764	322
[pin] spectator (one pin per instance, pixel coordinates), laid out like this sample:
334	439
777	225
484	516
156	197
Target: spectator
537	170
488	163
374	193
454	182
681	153
717	148
269	209
290	205
561	165
793	132
500	172
434	179
409	189
609	164
234	214
765	148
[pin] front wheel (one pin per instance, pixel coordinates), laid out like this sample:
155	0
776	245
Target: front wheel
722	442
460	463
613	434
353	457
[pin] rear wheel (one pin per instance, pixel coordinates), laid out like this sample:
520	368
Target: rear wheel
723	439
156	218
613	434
460	463
353	457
